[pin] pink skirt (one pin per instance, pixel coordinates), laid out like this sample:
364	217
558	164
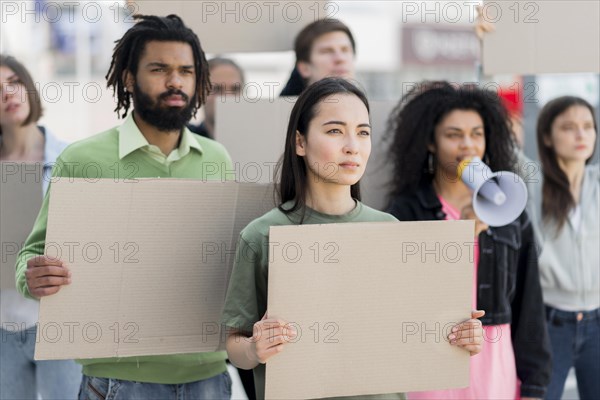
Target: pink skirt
493	372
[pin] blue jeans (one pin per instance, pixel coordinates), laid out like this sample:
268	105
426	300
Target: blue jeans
92	388
23	378
575	339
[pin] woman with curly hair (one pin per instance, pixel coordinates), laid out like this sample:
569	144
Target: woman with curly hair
434	128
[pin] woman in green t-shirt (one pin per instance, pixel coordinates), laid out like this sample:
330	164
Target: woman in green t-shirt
327	147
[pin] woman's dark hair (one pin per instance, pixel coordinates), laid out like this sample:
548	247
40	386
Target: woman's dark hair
129	48
33	96
412	123
292	167
557	200
303	47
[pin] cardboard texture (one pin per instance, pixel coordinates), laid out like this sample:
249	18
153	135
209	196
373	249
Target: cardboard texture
373	304
255	140
263	26
20	202
527	41
150	262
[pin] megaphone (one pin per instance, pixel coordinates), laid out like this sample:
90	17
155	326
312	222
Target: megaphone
498	197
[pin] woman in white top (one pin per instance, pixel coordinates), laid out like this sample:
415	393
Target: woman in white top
22	140
564	208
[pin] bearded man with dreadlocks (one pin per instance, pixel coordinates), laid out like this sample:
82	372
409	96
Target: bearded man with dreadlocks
160	66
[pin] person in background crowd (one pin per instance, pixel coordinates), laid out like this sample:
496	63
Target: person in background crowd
226	78
323	48
564	204
22	140
433	129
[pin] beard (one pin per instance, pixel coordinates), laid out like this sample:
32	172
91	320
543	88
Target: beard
164	118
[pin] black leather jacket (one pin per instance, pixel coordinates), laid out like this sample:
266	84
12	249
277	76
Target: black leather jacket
508	285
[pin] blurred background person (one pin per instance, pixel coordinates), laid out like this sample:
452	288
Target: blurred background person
22	140
564	204
226	78
323	48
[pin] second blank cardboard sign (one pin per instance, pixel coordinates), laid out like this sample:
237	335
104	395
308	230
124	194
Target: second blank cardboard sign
150	261
240	26
254	134
373	304
537	37
20	202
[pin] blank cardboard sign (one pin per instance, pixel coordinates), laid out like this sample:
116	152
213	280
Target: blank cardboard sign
240	26
254	134
373	304
536	37
20	202
150	262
